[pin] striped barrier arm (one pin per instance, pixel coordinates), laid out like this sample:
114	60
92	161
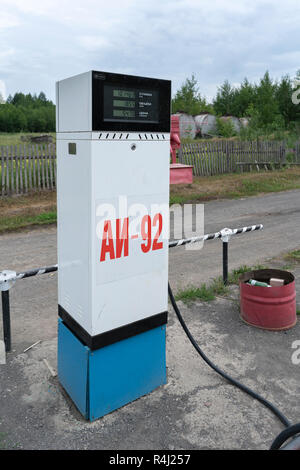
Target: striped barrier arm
35	272
213	236
172	244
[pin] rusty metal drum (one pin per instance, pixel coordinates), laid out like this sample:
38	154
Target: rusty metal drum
270	308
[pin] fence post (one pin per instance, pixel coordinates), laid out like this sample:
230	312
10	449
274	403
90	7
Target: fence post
282	154
180	155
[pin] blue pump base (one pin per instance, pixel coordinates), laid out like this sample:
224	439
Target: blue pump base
103	380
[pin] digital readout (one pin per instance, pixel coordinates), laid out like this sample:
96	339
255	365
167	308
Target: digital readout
123	113
130	104
124	104
123	94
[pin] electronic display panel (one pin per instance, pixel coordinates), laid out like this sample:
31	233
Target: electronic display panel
132	104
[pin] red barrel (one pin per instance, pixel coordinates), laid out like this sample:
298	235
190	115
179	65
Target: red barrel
271	308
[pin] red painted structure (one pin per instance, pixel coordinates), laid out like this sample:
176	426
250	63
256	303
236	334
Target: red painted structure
179	174
270	308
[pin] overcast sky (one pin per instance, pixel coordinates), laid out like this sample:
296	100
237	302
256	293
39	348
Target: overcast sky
42	41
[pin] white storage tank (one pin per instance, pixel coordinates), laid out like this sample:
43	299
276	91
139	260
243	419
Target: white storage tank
206	124
244	121
187	126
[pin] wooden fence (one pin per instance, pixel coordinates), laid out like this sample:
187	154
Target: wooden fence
218	157
25	168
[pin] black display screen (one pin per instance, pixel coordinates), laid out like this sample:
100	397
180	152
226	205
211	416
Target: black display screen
130	104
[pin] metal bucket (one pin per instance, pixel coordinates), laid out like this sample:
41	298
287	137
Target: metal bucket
271	308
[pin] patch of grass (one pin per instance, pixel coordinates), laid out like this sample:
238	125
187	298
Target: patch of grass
14	138
19	212
286	267
207	293
233	277
218	287
298	311
195	293
3	437
294	255
8	224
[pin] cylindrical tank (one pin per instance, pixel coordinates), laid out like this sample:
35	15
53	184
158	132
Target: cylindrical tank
187	126
235	122
244	121
206	124
270	308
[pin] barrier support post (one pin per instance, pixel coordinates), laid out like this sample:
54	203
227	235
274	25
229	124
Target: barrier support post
7	280
225	237
225	263
6	320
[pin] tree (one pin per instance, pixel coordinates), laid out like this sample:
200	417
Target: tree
224	101
188	99
42	97
284	93
243	98
2	100
266	103
27	113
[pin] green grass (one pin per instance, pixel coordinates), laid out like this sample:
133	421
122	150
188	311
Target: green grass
208	292
193	293
8	224
10	138
298	311
181	199
294	255
233	277
3	437
286	267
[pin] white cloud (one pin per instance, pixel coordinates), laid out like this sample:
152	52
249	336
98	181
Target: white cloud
8	20
215	40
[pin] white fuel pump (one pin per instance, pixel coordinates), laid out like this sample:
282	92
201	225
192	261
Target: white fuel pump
113	150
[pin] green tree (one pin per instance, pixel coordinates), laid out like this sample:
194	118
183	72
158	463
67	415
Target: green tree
27	113
243	97
266	102
225	128
224	101
287	108
188	99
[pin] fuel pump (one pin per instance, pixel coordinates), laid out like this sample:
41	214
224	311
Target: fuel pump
113	148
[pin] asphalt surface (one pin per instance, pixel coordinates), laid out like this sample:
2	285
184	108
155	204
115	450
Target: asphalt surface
197	409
